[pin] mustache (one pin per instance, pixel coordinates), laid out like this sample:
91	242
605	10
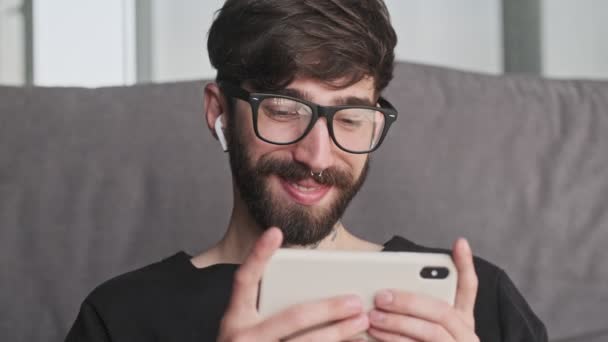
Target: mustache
294	172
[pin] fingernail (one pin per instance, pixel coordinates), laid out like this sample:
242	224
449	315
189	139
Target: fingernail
271	236
466	245
376	316
384	297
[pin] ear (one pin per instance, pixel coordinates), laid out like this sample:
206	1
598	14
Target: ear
215	106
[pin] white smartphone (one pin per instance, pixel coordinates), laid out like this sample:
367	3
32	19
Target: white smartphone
295	276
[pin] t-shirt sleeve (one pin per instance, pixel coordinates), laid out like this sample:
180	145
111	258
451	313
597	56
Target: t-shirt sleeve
518	321
89	326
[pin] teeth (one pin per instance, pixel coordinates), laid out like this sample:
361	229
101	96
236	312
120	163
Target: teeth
303	188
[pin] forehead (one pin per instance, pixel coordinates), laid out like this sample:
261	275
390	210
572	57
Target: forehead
362	92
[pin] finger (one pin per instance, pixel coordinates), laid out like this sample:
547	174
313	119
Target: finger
307	315
385	336
467	278
340	331
426	308
408	326
249	274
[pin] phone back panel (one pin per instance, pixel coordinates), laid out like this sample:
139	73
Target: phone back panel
297	276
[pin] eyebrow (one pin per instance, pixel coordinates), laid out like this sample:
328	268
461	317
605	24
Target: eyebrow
339	101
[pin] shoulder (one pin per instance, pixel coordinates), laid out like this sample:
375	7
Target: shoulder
117	307
142	282
166	298
164	283
160	289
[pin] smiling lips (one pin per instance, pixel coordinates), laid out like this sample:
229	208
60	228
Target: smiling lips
306	191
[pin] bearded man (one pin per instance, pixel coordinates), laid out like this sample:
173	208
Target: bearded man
297	105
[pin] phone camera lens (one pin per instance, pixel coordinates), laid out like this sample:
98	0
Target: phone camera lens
431	272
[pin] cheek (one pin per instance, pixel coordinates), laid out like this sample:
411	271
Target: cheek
355	163
360	165
242	129
257	148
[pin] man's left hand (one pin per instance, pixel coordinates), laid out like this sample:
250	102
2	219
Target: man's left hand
402	316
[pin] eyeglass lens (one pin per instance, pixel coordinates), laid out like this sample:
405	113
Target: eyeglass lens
283	121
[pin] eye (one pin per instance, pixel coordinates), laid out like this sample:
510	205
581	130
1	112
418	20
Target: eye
351	121
281	109
354	118
281	112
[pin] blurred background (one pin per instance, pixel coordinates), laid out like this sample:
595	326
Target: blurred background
96	43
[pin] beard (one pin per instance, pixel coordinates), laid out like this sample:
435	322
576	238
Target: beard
301	225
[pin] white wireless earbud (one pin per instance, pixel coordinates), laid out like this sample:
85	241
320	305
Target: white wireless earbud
219	131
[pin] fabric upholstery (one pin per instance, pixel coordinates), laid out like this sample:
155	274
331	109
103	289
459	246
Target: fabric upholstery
96	182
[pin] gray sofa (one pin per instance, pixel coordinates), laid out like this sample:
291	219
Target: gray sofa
96	182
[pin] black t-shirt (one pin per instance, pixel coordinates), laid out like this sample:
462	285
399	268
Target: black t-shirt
172	300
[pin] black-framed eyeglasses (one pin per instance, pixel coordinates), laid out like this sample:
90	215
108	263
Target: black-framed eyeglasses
284	120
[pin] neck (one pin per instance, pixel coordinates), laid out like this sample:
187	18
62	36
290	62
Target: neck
243	231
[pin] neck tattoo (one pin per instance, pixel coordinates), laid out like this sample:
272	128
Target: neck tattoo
334	234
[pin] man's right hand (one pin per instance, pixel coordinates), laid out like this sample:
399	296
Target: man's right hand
243	323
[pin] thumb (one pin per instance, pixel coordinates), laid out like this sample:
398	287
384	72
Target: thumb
247	277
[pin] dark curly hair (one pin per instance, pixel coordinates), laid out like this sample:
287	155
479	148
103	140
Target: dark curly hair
269	42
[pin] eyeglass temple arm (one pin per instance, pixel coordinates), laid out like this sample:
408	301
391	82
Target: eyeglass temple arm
233	90
384	103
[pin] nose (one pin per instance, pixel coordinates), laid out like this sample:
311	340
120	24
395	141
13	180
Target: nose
315	149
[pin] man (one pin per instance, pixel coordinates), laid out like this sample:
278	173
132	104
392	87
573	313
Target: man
297	106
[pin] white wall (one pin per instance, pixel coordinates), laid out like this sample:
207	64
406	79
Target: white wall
83	42
12	61
575	38
91	43
464	34
179	39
